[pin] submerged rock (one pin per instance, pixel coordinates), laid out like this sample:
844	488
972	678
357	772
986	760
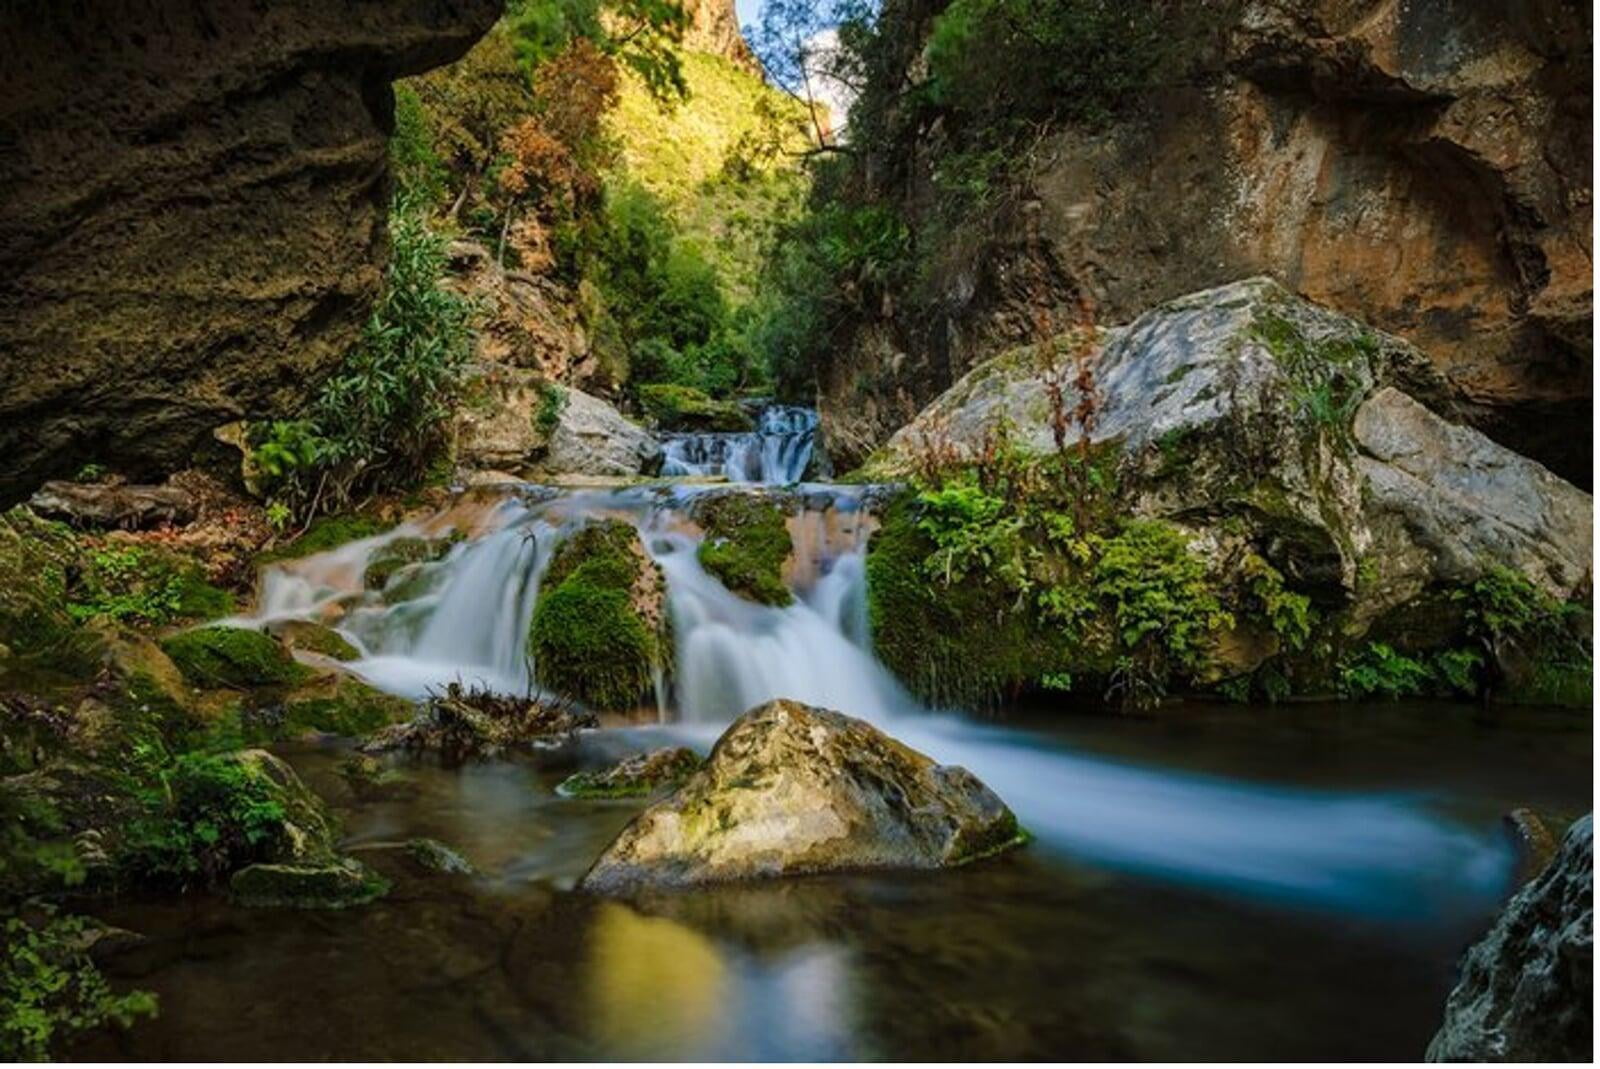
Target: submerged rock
790	789
370	781
1527	989
335	885
639	775
431	855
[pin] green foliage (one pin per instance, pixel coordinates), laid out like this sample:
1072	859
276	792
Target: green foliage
51	991
972	534
204	816
420	175
1459	671
1288	614
683	408
642	34
142	585
588	639
745	546
1505	610
1160	595
328	532
1381	670
35	854
234	657
380	422
552	402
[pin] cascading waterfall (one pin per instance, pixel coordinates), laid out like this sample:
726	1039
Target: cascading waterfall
778	451
470	619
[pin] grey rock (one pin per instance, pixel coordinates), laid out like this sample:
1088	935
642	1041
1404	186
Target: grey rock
592	438
1526	991
107	505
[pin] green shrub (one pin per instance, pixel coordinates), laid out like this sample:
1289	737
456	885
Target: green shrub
1381	670
1160	595
204	816
51	991
234	657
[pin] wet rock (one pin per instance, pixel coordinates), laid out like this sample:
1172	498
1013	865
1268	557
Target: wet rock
1531	839
529	321
340	704
390	559
472	724
215	250
369	780
431	855
338	884
1526	991
636	777
312	636
791	789
113	505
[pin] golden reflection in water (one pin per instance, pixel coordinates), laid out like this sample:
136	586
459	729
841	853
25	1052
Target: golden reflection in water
657	988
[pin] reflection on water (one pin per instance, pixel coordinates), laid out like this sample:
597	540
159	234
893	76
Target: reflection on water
1037	954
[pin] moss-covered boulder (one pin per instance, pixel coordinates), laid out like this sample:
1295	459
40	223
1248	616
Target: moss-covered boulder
636	777
329	532
370	780
600	630
339	884
683	408
312	636
398	554
340	704
234	657
36	630
789	790
746	544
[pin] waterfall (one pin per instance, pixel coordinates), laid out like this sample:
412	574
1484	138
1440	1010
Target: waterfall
470	619
778	451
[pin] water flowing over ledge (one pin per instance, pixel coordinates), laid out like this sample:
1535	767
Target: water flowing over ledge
468	614
778	451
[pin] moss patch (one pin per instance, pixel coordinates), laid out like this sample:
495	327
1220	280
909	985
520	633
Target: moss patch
36	557
330	532
684	408
401	553
233	657
346	707
746	544
598	631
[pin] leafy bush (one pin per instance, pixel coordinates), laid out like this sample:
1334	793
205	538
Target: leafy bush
51	991
1381	670
204	817
1160	594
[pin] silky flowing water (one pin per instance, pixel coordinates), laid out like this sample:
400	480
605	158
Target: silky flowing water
1291	882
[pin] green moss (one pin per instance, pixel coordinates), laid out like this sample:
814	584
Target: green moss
401	552
352	710
746	544
1327	376
233	657
36	557
683	408
334	885
635	778
329	532
590	638
306	635
142	585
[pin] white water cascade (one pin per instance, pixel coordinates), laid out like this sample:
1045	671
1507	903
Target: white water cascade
470	615
778	451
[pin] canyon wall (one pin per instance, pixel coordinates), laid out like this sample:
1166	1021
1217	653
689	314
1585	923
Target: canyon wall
192	212
1423	165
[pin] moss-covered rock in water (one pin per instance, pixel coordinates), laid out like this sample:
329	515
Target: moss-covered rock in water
684	408
337	884
318	638
341	705
963	643
599	632
233	657
638	776
746	544
790	789
430	855
400	553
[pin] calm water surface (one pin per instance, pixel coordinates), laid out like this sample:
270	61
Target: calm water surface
1039	954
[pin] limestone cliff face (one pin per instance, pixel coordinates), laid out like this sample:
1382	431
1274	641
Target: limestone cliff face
1423	165
714	27
192	206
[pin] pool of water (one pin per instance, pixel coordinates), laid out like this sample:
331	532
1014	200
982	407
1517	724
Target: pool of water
1047	953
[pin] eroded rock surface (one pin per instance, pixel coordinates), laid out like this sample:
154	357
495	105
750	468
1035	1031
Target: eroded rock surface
1526	991
790	789
192	212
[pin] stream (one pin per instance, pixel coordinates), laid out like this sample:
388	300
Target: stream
1213	882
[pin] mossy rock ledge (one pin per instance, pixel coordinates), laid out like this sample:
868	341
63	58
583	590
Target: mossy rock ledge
600	631
746	544
635	777
232	657
790	789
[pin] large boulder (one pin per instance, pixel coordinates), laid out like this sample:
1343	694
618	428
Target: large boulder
790	789
589	437
1526	992
1424	167
194	220
1330	443
113	504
